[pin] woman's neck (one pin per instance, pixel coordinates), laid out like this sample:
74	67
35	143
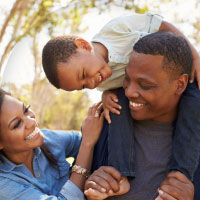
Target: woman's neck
25	158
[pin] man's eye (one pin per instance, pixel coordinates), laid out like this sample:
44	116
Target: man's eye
17	124
146	87
126	78
27	109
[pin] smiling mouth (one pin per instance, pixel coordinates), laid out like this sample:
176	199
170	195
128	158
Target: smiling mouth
100	77
136	105
33	134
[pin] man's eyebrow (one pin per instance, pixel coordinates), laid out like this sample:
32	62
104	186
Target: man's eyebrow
16	117
146	80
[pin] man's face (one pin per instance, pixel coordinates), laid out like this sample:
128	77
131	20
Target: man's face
151	94
83	70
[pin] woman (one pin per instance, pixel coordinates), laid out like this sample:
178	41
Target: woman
33	161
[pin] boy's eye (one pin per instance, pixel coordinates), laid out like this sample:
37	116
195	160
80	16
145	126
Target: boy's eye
17	124
83	75
27	109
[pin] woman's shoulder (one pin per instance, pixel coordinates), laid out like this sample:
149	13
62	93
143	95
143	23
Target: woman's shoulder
59	141
58	137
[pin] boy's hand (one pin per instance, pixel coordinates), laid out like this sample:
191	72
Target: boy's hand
196	70
105	182
176	186
109	100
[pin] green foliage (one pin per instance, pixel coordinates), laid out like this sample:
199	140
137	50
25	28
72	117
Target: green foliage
54	109
66	111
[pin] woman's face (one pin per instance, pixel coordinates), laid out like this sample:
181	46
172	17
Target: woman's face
18	128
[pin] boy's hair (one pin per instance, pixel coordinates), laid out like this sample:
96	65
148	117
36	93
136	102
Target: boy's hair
57	50
175	50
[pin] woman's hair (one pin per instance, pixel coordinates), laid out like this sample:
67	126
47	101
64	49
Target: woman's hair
2	94
46	152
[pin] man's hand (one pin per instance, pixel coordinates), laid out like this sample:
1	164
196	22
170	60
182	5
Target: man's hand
109	100
105	182
176	186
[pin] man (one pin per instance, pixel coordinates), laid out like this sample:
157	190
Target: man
155	79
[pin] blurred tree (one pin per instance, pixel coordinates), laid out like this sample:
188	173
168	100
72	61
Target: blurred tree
28	18
54	109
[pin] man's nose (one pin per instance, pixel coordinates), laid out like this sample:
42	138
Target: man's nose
131	91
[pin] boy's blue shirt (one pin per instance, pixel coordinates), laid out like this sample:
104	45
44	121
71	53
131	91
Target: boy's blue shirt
17	182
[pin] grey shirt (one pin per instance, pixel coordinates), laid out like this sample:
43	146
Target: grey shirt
153	142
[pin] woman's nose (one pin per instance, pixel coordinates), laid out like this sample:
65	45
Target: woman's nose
30	121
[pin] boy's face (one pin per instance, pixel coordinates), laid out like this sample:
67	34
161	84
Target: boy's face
83	70
151	92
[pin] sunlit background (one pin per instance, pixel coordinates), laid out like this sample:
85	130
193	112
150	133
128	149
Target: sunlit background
26	25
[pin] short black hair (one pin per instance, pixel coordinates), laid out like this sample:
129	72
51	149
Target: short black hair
57	50
174	48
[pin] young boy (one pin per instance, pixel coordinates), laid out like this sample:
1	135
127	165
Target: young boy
72	63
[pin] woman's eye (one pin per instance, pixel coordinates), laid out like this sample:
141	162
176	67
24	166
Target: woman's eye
17	124
27	109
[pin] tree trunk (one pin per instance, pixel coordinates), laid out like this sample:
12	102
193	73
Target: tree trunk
7	50
13	40
10	16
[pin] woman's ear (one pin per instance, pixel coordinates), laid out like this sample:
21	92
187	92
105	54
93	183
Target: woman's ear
182	82
1	145
83	44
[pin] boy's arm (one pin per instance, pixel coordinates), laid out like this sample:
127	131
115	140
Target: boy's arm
166	26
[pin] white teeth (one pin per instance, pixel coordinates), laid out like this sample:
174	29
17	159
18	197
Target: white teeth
100	77
136	104
33	134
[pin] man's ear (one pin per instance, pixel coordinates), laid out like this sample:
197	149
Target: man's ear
181	84
83	44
